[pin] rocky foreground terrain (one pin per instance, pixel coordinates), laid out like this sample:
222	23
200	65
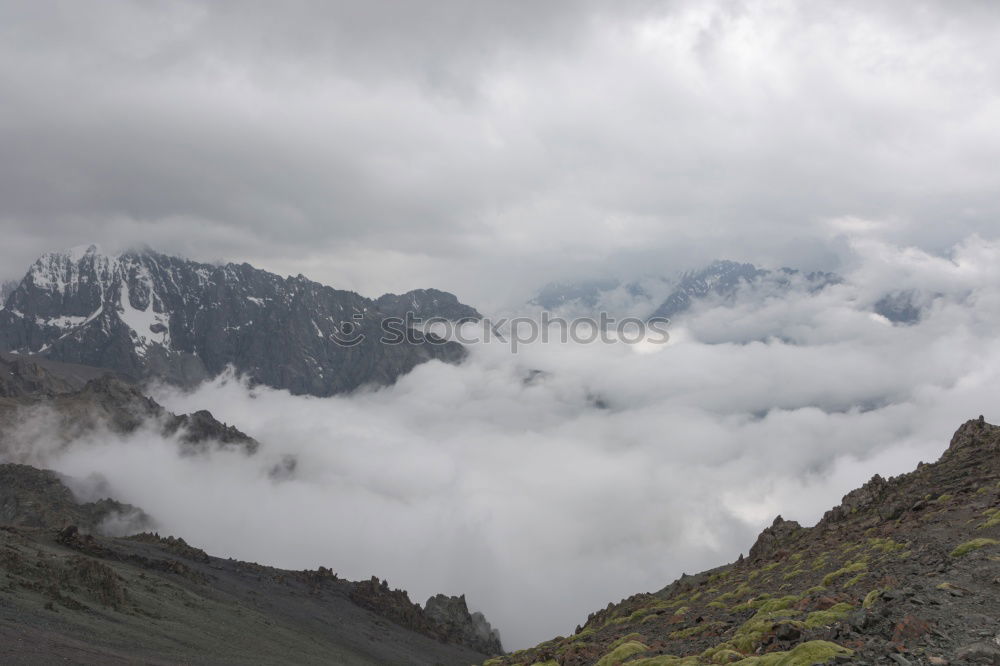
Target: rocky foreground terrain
905	571
91	582
68	594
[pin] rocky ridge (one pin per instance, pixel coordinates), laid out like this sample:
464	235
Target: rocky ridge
73	595
22	376
904	571
31	497
70	408
474	630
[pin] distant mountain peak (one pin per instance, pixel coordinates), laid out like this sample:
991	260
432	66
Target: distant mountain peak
427	304
671	295
147	314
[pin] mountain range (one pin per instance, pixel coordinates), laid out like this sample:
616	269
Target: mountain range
149	315
721	282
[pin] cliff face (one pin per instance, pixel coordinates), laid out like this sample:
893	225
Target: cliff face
905	570
145	314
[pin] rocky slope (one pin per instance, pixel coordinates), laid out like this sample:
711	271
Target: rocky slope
904	571
72	589
145	314
32	375
67	595
44	404
32	497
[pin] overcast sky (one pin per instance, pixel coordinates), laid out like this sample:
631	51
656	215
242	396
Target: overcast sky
488	147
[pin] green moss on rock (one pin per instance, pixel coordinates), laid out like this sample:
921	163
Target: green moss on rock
805	654
621	653
829	616
969	546
872	597
992	519
853	567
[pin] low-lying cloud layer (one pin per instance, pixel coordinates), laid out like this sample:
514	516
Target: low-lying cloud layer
612	471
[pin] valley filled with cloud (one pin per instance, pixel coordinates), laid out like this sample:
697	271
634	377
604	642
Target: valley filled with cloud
566	475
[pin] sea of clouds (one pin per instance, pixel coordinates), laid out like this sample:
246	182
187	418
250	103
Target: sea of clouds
544	495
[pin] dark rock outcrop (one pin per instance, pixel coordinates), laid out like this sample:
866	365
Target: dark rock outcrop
461	626
108	403
445	618
31	497
145	314
394	604
774	539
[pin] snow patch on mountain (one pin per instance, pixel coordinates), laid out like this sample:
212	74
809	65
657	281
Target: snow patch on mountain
146	325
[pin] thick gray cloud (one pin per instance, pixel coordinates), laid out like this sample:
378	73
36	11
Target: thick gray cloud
485	147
